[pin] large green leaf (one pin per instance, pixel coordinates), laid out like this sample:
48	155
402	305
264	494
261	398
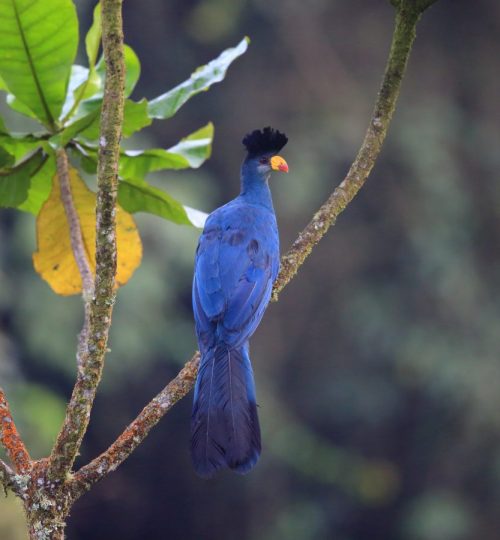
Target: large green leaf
38	42
191	151
14	184
19	144
138	196
168	104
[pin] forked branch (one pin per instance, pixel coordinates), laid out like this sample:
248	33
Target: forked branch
408	13
101	304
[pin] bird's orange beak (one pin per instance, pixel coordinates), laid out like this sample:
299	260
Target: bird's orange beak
278	164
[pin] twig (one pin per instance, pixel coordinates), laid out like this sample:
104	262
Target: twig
78	411
78	248
137	431
407	16
75	230
11	440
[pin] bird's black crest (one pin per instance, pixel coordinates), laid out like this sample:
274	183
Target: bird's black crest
264	141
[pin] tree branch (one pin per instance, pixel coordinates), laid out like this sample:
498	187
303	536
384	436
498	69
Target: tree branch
407	16
137	431
78	248
101	305
75	230
11	440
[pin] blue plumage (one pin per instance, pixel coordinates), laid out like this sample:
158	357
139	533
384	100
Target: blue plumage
237	261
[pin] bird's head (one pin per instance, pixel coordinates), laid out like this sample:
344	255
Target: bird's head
263	147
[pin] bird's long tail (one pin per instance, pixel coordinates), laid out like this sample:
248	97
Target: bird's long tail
225	428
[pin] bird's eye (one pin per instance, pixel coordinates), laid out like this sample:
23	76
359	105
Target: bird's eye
263	160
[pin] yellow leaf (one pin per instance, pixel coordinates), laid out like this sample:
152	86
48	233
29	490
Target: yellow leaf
54	260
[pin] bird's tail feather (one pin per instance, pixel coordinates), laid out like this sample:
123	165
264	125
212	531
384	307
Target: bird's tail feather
225	429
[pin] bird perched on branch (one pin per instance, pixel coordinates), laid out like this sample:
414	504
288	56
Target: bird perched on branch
237	261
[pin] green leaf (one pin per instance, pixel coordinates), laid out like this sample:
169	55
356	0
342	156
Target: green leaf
62	139
139	196
14	184
38	41
6	159
78	78
197	147
20	107
83	159
85	83
93	37
133	69
135	117
40	186
88	86
19	144
191	151
168	104
138	163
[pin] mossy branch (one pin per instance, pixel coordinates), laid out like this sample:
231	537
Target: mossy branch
408	13
101	304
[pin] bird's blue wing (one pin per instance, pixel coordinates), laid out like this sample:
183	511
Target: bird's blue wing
235	266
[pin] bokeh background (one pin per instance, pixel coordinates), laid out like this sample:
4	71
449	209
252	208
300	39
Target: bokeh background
378	371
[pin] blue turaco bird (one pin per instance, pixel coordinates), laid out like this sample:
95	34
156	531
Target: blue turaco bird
237	261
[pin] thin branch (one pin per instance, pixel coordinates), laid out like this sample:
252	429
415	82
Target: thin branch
75	230
137	431
78	248
78	411
407	16
326	216
11	440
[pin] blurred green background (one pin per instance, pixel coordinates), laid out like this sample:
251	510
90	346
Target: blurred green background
378	370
